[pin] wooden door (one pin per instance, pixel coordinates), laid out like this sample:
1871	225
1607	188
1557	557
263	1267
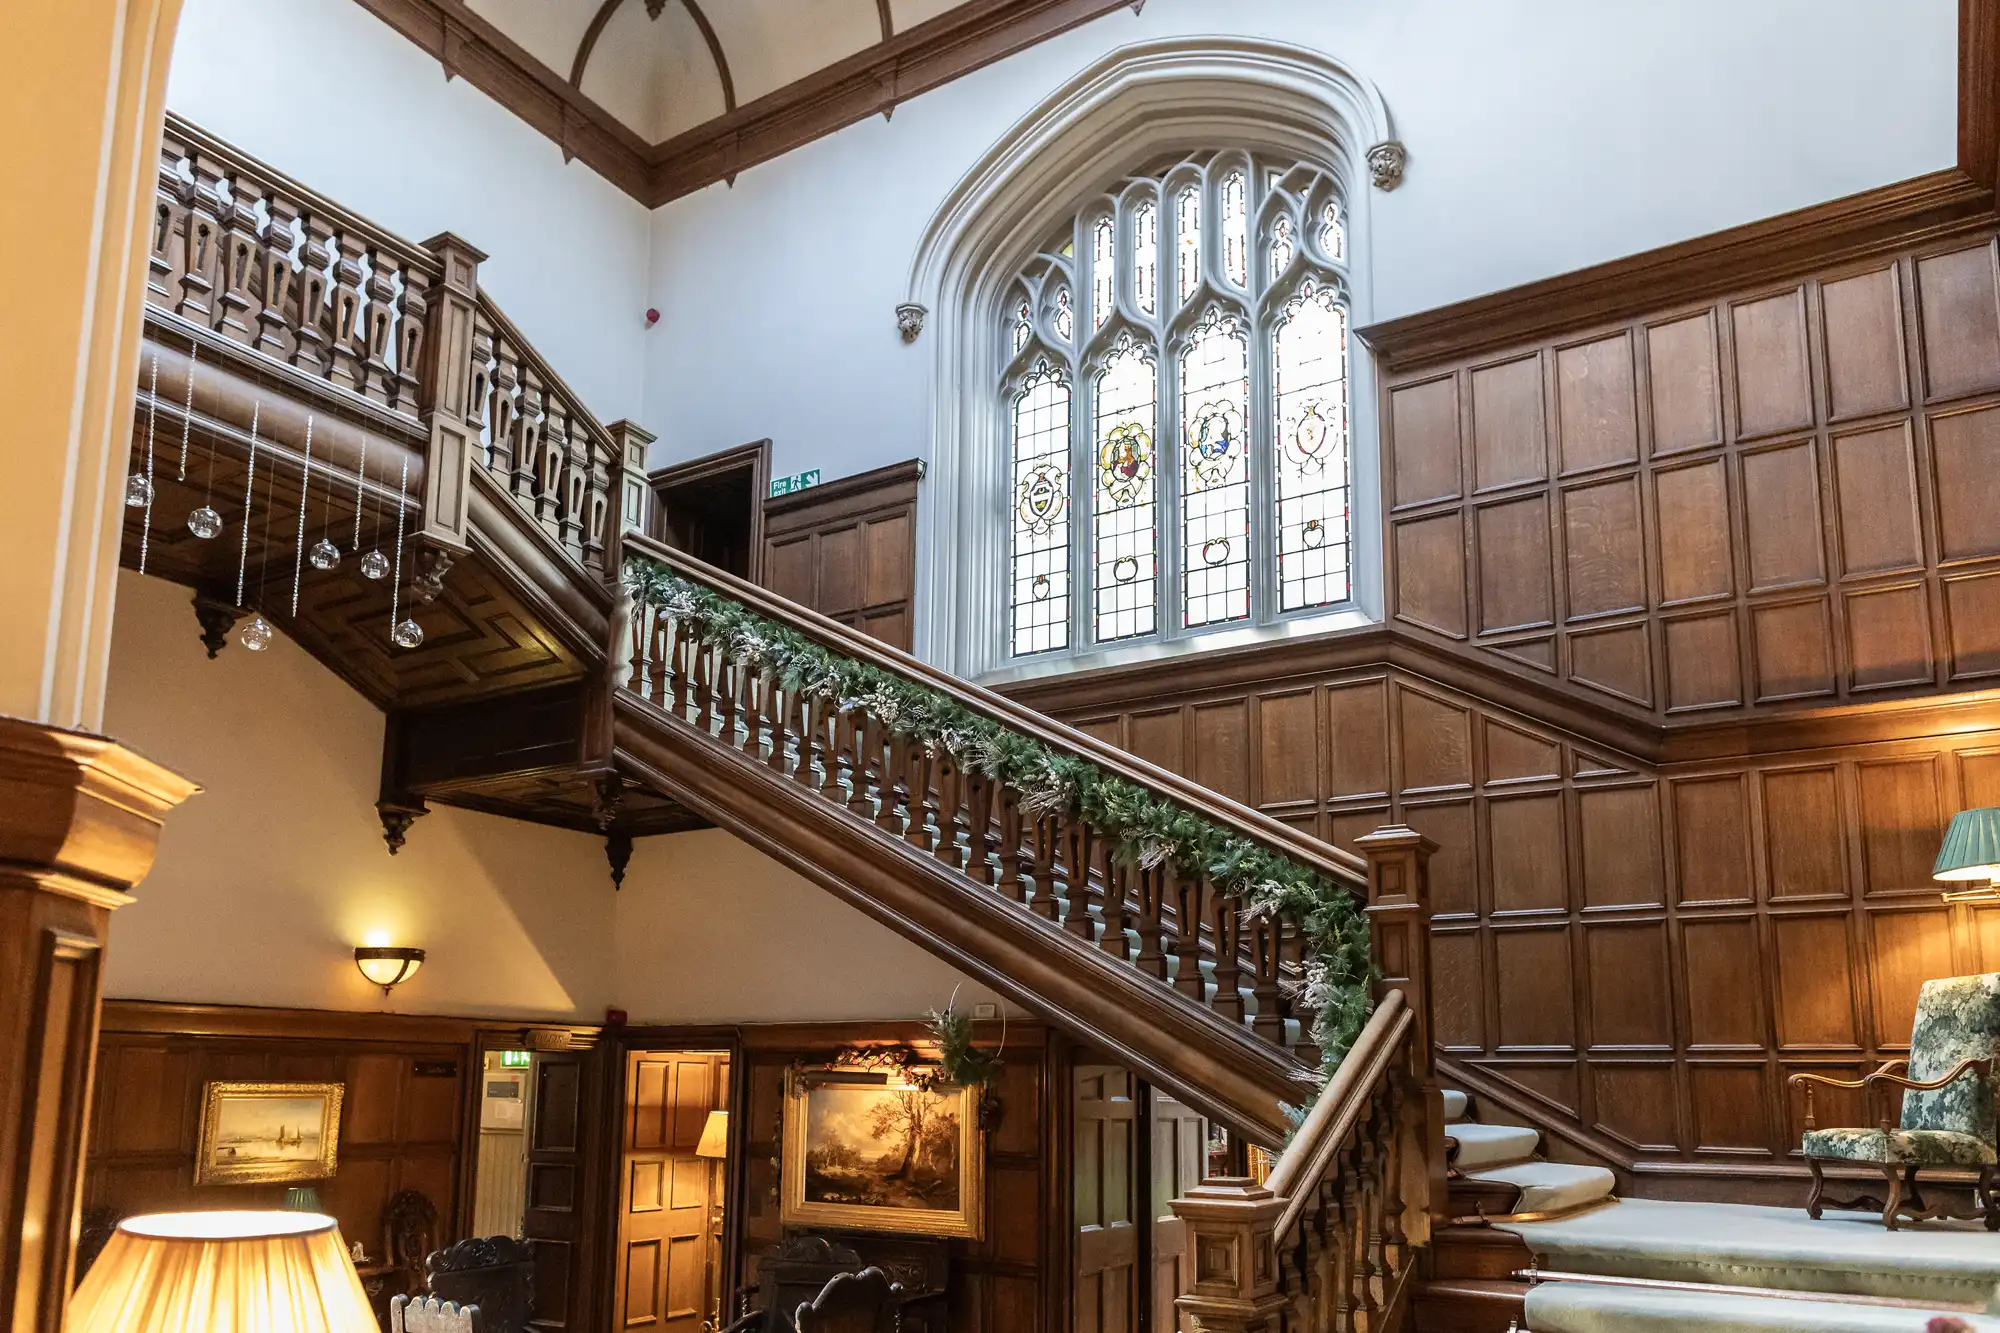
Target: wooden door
1180	1149
1106	1167
555	1209
669	1200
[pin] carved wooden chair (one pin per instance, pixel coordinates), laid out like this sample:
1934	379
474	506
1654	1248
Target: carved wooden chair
790	1274
1948	1108
409	1232
864	1302
494	1273
428	1314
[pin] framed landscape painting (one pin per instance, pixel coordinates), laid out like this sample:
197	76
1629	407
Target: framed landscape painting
267	1133
879	1152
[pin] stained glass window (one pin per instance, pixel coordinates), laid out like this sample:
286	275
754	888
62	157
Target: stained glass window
1215	472
1309	376
1041	512
1146	257
1235	231
1123	535
1154	494
1187	241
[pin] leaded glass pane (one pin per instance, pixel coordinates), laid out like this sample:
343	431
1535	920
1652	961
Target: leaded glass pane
1187	241
1125	537
1235	231
1041	583
1281	247
1332	231
1215	473
1146	257
1103	268
1024	324
1064	320
1309	374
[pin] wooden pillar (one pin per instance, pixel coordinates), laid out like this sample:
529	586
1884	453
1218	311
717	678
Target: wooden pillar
79	821
1231	1224
444	393
1399	928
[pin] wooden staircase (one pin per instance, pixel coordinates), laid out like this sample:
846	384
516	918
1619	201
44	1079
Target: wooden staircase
309	375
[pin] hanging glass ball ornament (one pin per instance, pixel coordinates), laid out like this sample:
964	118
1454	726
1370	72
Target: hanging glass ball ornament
375	565
256	635
204	523
324	554
407	634
138	491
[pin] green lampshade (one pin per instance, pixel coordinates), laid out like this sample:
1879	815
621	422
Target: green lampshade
1971	846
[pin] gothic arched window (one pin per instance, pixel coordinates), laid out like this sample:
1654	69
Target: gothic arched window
1177	392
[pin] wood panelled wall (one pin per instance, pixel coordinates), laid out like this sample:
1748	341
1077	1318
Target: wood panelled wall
1788	494
401	1117
1639	954
848	550
1009	1282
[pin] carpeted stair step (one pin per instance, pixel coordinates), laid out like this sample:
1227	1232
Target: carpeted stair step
1551	1187
1456	1104
1583	1307
1742	1245
1481	1145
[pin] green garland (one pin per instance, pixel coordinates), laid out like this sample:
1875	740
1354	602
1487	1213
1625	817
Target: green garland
1147	829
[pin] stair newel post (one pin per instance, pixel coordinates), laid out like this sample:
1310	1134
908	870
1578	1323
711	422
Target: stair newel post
1011	834
1047	829
1077	845
1188	890
1226	920
979	831
1152	957
1265	934
1231	1235
1399	929
1117	874
445	389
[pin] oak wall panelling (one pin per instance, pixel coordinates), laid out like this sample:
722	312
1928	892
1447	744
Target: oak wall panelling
848	549
1788	495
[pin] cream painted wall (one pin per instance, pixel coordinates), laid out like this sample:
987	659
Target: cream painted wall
334	97
768	945
1544	135
267	880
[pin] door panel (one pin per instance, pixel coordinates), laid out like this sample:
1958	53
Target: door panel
1106	1200
552	1219
1180	1146
669	1199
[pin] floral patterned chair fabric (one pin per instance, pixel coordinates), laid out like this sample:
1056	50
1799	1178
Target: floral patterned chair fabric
1948	1105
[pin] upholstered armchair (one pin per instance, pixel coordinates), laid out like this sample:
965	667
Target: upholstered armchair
1948	1107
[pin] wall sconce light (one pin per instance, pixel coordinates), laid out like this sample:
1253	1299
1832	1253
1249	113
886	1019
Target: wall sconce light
388	966
1971	852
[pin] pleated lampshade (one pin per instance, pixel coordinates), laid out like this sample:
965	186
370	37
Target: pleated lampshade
223	1272
1971	846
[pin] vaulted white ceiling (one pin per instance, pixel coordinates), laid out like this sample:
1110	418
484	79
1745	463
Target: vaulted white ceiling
663	67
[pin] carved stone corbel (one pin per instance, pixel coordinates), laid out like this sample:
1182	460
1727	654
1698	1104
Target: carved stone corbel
432	564
1386	161
910	320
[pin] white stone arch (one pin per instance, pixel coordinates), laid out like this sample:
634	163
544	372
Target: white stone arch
1141	101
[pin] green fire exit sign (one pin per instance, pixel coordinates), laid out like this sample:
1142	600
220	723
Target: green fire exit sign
798	481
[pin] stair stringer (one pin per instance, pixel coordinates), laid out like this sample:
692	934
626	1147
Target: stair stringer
1217	1066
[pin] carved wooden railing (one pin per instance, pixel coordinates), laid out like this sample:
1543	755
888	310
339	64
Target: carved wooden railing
246	252
1167	928
1327	1243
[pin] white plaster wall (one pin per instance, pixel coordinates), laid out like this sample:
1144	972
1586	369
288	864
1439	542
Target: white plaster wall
710	930
335	98
267	880
1544	135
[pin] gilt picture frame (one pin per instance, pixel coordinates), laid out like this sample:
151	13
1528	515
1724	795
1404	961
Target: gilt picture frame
268	1133
889	1151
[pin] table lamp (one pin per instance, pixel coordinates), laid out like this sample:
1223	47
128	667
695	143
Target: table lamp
1971	853
222	1272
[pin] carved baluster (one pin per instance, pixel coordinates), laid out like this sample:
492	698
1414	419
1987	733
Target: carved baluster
1117	874
660	637
199	266
775	712
1270	1020
1152	958
527	437
503	428
704	690
378	328
549	464
1187	898
238	262
1046	831
950	802
1339	1265
412	308
168	260
1227	924
597	501
918	766
576	480
683	670
808	737
310	352
1011	834
979	842
479	394
831	732
275	314
732	676
1077	887
894	788
348	338
861	730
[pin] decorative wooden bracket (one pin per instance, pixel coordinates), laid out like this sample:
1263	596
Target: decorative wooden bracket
216	618
397	816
